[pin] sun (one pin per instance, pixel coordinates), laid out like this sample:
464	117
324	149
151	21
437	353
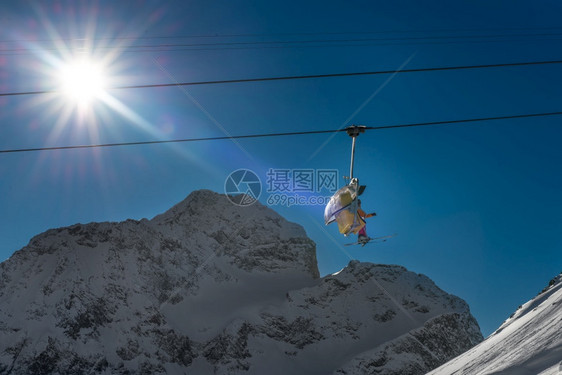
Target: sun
82	81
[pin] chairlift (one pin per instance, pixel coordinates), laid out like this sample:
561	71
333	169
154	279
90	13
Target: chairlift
342	207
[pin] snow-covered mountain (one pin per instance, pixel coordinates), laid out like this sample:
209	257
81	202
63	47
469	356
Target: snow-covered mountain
529	342
211	287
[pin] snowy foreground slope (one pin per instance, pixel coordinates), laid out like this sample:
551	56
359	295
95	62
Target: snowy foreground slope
210	287
528	343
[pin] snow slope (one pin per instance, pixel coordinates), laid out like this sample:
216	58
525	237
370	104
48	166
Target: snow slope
529	342
209	287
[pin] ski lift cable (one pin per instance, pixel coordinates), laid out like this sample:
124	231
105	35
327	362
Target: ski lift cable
431	33
247	136
432	123
285	34
312	76
324	42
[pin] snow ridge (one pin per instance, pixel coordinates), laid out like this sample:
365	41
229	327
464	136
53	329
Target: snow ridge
213	288
529	342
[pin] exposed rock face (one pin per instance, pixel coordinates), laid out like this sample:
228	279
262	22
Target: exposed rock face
210	287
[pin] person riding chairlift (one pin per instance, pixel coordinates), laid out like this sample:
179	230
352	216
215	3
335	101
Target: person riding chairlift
362	234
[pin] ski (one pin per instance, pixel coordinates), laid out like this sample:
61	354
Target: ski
372	240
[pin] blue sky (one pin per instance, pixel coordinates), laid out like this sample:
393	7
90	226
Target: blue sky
476	206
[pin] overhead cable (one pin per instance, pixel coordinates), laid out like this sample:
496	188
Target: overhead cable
246	136
312	76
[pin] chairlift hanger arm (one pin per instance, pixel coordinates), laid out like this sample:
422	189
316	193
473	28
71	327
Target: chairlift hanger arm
354	131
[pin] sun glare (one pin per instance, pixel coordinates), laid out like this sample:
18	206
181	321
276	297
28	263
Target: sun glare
82	81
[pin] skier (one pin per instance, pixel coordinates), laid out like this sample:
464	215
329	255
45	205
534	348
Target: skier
362	234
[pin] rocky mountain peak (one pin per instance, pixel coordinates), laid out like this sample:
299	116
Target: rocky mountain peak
254	236
212	287
205	209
